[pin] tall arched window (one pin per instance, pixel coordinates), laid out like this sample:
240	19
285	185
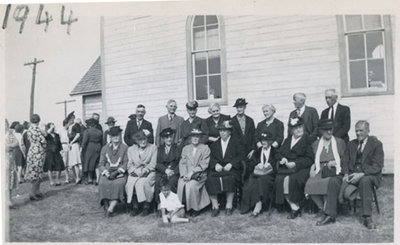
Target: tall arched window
206	59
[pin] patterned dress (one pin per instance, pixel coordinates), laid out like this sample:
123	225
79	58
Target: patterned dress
36	154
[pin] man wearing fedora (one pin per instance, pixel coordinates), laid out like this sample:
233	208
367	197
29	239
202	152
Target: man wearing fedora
225	168
362	166
243	127
110	123
137	123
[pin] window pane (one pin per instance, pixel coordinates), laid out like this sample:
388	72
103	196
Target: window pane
353	22
215	87
212	37
372	21
357	74
200	62
211	19
214	62
375	47
376	73
198	38
198	20
201	88
356	46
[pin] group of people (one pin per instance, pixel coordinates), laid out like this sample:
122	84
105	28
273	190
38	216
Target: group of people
189	164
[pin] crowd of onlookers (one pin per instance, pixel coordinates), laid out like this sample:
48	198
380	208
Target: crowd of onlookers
186	165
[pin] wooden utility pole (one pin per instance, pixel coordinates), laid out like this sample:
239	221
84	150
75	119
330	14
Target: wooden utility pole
65	105
34	63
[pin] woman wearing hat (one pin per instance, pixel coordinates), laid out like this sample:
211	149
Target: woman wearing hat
192	170
10	144
110	123
91	147
167	166
216	119
324	183
141	169
294	157
53	161
36	156
112	165
225	168
192	122
257	191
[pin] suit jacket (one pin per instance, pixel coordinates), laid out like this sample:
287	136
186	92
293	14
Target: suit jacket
247	139
276	128
175	124
132	128
187	127
371	160
234	154
311	118
301	153
342	121
170	160
212	127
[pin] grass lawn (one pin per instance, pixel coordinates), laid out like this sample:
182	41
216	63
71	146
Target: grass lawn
71	213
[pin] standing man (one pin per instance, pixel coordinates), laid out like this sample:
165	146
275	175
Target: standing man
340	114
243	127
309	115
136	124
96	117
171	120
362	166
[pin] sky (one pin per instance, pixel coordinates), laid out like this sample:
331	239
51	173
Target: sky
66	59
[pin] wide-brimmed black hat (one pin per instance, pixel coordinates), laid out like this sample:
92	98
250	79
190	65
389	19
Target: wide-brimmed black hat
114	131
196	132
240	102
295	121
266	136
70	115
110	120
192	105
167	132
139	135
35	118
226	125
325	124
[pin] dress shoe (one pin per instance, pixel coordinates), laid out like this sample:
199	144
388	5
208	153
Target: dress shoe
215	212
326	220
195	213
228	211
109	214
96	183
34	198
39	196
134	212
254	215
294	214
369	223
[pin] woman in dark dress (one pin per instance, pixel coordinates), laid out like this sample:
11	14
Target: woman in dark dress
257	191
167	166
270	124
53	161
20	157
216	119
295	158
91	147
192	122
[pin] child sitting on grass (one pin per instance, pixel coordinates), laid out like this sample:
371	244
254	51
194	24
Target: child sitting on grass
172	210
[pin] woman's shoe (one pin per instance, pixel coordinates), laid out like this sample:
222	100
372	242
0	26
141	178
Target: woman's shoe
254	215
294	214
51	184
214	212
34	198
58	184
326	220
77	182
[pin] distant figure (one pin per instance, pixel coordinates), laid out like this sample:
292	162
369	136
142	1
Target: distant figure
10	144
65	148
171	120
136	124
192	122
340	114
53	161
20	155
216	119
91	147
74	154
96	116
307	113
106	136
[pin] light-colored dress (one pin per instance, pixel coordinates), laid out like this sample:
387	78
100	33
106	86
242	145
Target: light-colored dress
11	144
36	154
64	142
193	192
141	160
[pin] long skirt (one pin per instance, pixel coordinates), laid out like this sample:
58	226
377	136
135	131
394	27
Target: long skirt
219	182
91	157
142	186
172	181
317	185
74	155
111	189
53	162
193	193
64	154
257	188
296	185
34	163
11	176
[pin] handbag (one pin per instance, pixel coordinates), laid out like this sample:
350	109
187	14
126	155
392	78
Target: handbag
264	171
196	176
328	172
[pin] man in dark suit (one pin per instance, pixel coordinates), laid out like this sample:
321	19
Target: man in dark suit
243	127
362	166
308	114
136	124
340	114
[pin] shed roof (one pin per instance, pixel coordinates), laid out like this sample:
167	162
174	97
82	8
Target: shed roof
91	81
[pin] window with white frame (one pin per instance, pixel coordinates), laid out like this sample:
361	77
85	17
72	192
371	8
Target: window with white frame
206	78
367	54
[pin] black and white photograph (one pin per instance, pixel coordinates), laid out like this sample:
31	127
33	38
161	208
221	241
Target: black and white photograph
188	122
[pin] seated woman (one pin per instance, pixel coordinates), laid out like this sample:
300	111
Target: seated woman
192	170
294	157
225	168
112	165
258	189
167	166
325	180
216	119
142	177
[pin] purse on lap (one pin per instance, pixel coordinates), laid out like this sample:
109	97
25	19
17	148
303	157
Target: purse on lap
328	172
264	171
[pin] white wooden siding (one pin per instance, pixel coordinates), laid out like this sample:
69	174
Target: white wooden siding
92	104
268	59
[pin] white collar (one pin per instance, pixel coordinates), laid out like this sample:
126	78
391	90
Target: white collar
302	109
294	141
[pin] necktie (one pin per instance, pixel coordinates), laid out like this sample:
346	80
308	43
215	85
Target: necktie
264	158
360	146
298	112
170	118
331	110
139	123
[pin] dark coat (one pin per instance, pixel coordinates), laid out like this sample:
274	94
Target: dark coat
212	127
187	127
276	128
91	147
371	160
256	159
132	128
311	118
53	161
247	139
342	121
